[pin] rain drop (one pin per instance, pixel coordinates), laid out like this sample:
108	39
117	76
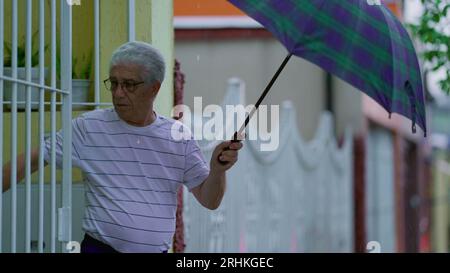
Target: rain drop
198	58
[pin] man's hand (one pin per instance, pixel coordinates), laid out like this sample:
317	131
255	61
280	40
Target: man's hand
21	168
227	153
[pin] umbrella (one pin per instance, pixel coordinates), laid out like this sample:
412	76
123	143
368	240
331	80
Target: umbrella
358	41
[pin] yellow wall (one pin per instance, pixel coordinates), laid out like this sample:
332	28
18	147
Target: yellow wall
113	32
83	36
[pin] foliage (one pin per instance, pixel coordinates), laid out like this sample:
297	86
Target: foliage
21	53
434	33
84	72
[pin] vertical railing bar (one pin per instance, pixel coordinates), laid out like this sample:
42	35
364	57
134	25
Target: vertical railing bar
28	130
2	15
41	124
53	131
97	52
14	129
66	79
131	21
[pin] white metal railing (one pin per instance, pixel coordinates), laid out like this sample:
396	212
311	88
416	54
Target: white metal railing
64	213
53	133
14	128
59	219
97	52
66	114
28	129
41	126
32	84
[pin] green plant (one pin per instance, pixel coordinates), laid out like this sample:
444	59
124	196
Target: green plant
21	53
431	32
85	71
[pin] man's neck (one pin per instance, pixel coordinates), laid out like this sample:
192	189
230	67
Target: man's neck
149	119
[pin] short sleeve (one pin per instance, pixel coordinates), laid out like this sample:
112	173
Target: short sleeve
78	133
196	169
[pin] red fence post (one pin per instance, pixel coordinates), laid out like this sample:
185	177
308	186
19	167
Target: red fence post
178	240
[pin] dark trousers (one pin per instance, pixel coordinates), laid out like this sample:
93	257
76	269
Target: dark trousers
91	245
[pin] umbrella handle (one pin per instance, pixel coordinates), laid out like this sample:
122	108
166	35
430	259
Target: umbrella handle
234	140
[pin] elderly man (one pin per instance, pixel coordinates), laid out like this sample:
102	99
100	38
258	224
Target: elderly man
133	165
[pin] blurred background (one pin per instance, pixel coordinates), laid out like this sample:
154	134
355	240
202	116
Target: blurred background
395	182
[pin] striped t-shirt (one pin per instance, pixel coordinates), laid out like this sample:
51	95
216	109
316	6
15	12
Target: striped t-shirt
132	178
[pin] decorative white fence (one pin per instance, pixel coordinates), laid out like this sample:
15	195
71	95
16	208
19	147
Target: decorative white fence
296	199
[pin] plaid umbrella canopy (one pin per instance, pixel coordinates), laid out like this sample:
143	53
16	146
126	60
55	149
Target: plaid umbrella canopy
356	40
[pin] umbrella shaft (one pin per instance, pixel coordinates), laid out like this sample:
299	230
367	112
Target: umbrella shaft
263	95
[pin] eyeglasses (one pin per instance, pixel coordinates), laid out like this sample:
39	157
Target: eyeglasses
129	86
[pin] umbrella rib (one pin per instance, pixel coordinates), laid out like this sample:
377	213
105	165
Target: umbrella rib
263	95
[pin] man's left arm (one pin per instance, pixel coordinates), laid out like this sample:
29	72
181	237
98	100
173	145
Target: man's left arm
210	193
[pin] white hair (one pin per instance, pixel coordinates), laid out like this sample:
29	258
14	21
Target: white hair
143	54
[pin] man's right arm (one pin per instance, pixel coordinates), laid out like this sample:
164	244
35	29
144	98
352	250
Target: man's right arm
20	168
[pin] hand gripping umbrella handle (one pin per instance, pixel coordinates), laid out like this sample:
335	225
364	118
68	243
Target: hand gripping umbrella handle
235	139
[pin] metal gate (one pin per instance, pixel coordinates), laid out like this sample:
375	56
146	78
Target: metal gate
20	106
45	210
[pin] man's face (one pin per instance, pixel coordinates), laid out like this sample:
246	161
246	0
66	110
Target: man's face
133	107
